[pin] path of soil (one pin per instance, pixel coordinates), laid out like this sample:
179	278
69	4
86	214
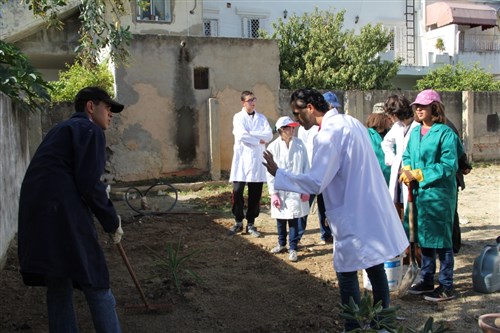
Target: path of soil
244	288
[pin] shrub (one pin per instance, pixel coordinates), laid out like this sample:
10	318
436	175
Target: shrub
77	77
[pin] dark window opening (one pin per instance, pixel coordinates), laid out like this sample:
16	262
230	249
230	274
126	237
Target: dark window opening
200	78
492	122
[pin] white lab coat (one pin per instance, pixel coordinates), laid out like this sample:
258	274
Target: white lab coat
396	136
359	209
247	151
307	136
293	159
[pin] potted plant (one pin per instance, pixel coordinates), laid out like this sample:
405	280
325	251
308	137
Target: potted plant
440	45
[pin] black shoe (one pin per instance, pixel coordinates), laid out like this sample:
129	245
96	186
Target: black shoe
421	288
328	240
440	294
237	227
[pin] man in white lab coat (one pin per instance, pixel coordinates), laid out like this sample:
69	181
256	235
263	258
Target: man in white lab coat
251	132
307	136
366	228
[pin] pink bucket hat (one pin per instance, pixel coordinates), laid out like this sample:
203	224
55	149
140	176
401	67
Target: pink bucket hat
426	97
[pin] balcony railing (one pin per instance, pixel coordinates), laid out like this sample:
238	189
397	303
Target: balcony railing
476	43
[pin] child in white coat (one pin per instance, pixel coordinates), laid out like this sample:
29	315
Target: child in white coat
398	108
287	207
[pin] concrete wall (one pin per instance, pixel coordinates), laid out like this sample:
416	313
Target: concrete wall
49	50
18	21
359	104
14	129
164	130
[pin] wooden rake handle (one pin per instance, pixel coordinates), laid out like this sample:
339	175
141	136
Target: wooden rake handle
132	274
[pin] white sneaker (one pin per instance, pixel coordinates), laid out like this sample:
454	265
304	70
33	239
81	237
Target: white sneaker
278	249
293	256
251	230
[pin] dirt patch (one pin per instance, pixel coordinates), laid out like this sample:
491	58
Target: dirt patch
244	288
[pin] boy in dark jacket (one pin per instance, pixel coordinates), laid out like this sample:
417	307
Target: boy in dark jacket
61	191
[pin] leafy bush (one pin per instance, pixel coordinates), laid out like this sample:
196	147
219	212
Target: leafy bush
77	77
368	316
459	78
19	80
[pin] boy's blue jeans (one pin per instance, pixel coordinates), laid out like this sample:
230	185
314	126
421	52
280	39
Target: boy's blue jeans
349	287
447	262
61	313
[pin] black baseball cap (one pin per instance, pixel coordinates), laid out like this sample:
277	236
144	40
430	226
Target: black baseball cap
96	94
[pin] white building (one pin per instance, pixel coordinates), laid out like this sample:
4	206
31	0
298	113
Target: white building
468	29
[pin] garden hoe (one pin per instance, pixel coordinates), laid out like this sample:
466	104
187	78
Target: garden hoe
412	273
147	306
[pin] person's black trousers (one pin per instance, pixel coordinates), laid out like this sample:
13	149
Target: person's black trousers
238	201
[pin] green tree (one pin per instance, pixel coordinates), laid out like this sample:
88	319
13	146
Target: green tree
19	80
459	78
315	51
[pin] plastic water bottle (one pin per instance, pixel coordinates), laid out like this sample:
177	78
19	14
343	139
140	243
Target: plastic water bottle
486	270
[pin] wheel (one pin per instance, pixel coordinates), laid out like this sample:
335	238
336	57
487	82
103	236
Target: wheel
134	199
161	198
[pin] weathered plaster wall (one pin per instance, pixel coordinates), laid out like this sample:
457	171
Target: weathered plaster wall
15	157
486	130
164	128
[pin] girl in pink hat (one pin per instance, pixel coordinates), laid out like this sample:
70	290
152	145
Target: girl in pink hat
430	162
